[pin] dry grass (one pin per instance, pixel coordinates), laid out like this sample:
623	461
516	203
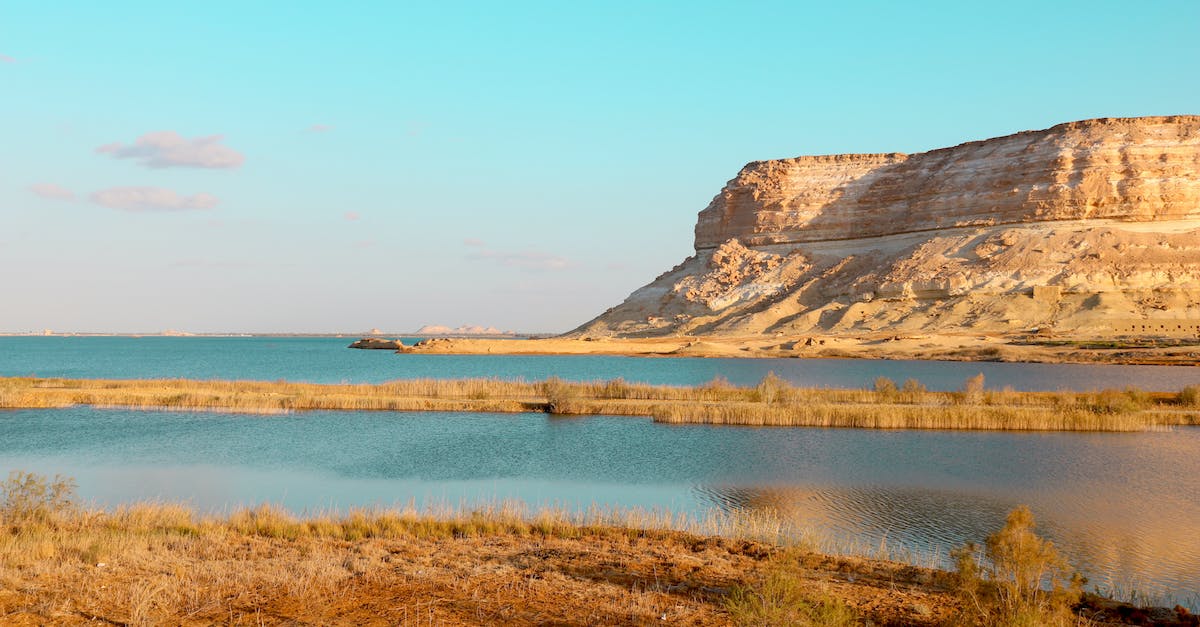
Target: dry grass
156	563
772	402
161	563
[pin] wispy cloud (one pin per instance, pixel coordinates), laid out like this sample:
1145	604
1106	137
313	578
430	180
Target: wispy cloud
523	259
168	149
7	59
152	199
351	216
320	128
52	191
474	242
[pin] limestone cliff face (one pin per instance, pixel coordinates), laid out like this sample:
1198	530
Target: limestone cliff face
1129	169
1098	215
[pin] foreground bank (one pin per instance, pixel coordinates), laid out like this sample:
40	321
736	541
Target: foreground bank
163	563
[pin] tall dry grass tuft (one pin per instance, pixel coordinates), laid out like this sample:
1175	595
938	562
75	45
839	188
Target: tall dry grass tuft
772	390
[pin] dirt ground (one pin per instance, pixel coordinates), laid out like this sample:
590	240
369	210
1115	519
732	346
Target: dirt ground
620	578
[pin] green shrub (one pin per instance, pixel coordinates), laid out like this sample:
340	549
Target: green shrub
1114	402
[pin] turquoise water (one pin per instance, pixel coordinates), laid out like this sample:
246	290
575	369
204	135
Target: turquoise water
326	360
1123	507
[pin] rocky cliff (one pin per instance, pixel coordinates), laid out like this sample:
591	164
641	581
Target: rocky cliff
1086	227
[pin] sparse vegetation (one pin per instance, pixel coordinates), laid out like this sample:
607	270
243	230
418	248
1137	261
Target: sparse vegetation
156	563
772	402
1190	396
972	390
783	598
27	498
1020	579
885	387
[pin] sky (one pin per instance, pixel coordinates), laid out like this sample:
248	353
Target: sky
337	167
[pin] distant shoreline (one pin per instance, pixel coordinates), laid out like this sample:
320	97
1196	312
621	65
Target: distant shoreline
511	336
945	347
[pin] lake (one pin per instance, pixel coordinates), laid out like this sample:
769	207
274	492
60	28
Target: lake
327	360
1123	507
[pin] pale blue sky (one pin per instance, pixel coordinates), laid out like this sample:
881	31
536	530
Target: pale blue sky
522	165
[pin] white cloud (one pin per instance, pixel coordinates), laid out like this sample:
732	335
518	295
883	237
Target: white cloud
52	191
7	59
168	149
320	128
474	242
152	199
351	216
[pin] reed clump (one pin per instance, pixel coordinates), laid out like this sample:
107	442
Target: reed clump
771	402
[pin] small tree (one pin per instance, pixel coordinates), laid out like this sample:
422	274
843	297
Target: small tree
1022	579
972	390
885	388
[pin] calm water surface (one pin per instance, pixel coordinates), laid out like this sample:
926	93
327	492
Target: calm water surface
326	360
1123	507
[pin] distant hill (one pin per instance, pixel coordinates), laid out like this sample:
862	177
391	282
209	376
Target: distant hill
435	329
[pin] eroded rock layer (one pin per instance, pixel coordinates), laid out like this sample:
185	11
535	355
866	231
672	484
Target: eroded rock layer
1085	227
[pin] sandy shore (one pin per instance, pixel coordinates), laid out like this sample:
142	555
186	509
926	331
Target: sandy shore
965	347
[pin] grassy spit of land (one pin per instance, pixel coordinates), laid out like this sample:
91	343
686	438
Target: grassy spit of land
772	402
961	346
164	563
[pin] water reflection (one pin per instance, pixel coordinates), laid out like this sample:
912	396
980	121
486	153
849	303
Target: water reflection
1123	507
1154	552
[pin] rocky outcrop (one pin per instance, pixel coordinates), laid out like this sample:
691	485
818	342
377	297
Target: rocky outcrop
1071	227
377	344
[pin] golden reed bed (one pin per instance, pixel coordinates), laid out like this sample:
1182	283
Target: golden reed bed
772	402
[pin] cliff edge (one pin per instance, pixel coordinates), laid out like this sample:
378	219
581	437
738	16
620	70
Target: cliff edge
1089	228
